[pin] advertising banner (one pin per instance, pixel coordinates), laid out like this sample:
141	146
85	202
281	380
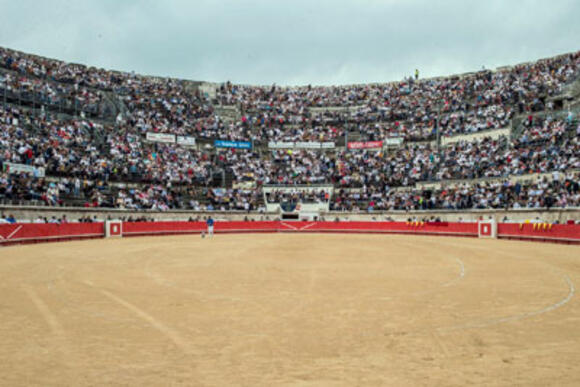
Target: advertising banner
365	144
280	145
395	141
300	145
186	140
232	144
23	168
307	145
160	137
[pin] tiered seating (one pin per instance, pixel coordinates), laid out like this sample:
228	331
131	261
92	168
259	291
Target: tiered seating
79	156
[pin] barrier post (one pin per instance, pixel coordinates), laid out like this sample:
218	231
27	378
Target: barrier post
487	228
113	229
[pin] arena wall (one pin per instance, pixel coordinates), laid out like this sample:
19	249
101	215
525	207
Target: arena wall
37	233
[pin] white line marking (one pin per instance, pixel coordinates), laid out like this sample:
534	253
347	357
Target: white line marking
14	232
46	313
42	238
289	226
461	273
61	343
307	226
458	278
168	332
430	290
521	316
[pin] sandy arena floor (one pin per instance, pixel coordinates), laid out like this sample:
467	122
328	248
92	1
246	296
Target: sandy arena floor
296	310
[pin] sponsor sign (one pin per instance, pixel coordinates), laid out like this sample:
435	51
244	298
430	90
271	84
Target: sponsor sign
23	168
244	185
233	144
300	145
160	137
365	144
186	140
307	145
280	145
395	141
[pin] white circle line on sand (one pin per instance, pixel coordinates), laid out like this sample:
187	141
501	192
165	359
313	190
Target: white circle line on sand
458	278
58	287
165	282
521	316
516	317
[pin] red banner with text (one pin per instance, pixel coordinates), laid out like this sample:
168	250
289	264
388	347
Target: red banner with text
365	145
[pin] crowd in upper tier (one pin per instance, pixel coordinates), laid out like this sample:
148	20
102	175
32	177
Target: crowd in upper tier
411	98
72	99
85	76
410	108
82	156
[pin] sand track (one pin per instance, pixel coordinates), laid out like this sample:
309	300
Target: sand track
307	310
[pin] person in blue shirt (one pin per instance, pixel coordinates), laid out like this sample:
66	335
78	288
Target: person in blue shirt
209	223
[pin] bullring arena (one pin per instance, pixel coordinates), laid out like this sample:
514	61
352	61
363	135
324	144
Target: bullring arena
423	231
306	309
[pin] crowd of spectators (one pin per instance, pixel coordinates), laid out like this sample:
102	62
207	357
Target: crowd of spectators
39	92
332	126
170	109
403	99
157	104
22	188
221	199
67	148
473	102
541	130
81	158
543	193
85	76
298	196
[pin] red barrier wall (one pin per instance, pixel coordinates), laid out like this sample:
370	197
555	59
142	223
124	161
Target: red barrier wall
565	233
165	228
443	228
32	233
435	228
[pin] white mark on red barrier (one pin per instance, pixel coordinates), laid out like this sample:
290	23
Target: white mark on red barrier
14	232
11	234
296	228
288	225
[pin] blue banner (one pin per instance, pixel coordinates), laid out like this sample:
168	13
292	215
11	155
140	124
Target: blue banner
232	144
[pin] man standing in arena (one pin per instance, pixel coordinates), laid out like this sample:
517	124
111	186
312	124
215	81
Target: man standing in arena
209	223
